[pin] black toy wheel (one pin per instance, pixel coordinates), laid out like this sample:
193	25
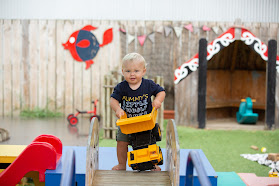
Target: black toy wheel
162	161
70	116
134	167
156	131
73	120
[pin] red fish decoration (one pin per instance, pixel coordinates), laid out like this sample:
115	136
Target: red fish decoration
84	46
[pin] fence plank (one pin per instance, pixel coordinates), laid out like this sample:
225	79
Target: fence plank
17	43
176	47
25	65
69	70
60	67
193	102
99	66
86	74
264	33
2	67
97	78
148	52
51	66
78	68
43	60
131	30
7	68
33	53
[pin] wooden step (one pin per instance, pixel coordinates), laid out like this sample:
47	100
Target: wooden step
110	177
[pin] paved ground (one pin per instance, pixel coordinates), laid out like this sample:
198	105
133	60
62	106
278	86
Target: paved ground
23	131
231	124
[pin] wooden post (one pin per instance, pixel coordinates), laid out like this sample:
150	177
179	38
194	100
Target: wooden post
271	82
202	83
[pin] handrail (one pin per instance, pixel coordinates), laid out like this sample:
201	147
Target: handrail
172	153
194	160
69	169
92	152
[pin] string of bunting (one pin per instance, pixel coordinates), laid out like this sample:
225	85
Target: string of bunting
167	30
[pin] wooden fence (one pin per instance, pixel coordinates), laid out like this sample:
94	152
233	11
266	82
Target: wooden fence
36	71
109	118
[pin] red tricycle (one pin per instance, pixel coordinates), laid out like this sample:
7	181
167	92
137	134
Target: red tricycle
73	120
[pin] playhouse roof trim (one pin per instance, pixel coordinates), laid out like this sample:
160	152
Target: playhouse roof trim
218	44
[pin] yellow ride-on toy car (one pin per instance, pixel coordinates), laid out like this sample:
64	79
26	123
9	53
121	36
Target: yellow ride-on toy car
143	132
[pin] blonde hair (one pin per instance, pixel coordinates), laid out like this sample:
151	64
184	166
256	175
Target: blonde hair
133	57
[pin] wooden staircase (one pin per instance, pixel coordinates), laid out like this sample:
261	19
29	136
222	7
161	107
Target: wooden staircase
110	177
94	176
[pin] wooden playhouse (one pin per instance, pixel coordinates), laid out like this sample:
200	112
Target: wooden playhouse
236	69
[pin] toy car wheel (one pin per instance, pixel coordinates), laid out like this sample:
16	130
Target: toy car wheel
134	167
160	152
73	120
70	116
157	132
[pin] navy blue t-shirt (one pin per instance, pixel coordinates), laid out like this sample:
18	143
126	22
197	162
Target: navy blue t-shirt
136	102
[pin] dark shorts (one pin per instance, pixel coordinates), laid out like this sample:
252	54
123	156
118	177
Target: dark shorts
120	136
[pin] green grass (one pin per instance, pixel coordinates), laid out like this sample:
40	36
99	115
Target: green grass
39	113
223	147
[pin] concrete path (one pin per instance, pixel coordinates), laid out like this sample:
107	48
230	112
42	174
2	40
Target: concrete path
24	131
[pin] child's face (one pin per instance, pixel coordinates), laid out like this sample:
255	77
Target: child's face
133	72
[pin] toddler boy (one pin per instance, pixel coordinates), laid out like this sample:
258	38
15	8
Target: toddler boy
134	95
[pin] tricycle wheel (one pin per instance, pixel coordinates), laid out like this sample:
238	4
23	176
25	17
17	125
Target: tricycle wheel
73	120
98	117
70	116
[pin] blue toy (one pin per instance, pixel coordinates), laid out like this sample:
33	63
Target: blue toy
245	113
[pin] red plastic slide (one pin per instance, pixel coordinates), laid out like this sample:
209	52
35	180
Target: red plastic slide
43	153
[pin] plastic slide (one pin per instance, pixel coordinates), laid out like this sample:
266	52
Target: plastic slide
43	153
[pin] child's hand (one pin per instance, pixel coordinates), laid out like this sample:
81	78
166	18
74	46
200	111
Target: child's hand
119	112
157	104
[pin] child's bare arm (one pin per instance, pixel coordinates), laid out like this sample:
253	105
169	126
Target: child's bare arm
159	99
114	104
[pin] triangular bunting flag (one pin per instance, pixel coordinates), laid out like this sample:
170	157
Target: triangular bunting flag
178	31
189	27
205	28
168	30
130	38
141	39
215	29
122	30
160	29
152	37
